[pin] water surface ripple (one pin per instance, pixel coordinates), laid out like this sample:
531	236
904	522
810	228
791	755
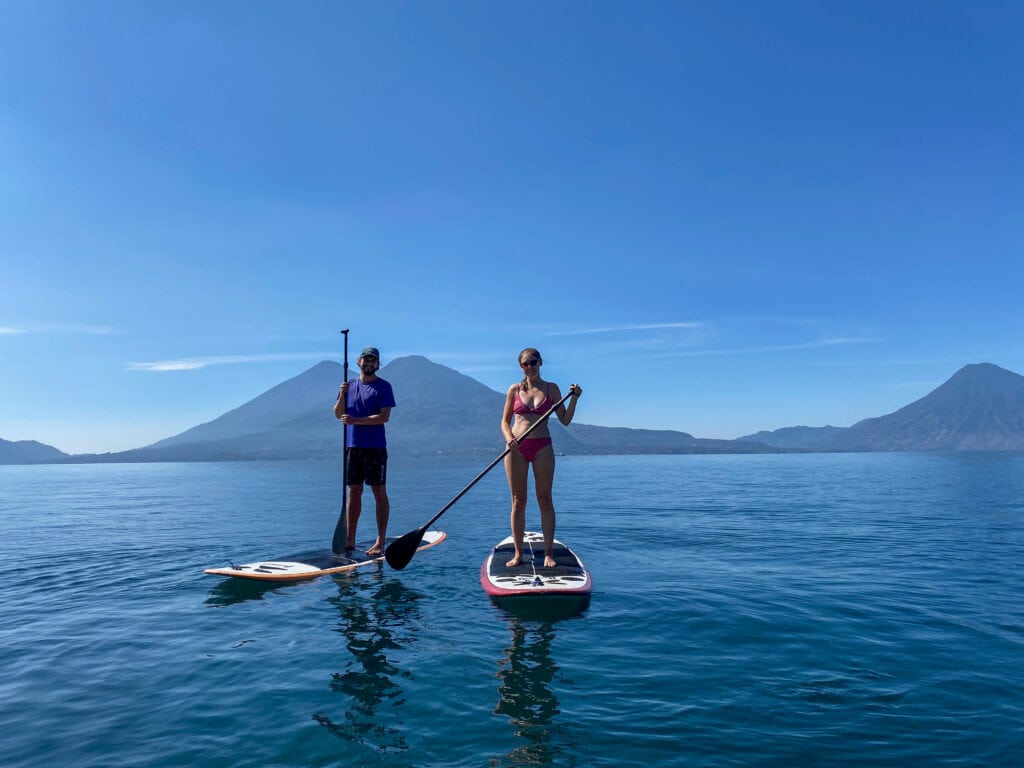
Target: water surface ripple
812	610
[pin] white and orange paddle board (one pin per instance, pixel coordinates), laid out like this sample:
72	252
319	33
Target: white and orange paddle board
312	564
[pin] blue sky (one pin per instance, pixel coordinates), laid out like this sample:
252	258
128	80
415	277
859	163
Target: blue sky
717	217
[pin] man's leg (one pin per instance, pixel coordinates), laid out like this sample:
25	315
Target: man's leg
380	498
352	512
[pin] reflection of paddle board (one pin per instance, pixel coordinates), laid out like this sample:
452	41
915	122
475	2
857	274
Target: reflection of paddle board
312	564
568	577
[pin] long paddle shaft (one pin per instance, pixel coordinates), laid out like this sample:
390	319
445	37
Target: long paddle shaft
400	551
341	527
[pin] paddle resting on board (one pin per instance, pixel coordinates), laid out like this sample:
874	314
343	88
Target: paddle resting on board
313	564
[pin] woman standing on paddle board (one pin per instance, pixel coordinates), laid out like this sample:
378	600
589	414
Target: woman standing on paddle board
526	402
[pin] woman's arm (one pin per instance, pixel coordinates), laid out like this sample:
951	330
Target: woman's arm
506	415
565	414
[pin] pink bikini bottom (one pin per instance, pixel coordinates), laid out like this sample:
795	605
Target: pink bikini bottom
531	446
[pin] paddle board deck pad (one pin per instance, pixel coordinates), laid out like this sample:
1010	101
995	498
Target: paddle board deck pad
313	564
530	577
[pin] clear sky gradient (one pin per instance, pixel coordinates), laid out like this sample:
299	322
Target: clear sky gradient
718	217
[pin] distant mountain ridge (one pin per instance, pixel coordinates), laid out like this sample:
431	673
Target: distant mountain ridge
441	411
28	452
794	438
980	408
289	400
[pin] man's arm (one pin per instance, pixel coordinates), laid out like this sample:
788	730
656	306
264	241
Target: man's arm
341	403
369	421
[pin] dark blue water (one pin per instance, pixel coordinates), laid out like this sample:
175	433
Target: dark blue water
749	611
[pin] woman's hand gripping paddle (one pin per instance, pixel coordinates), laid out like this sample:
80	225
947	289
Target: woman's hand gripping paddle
400	551
341	527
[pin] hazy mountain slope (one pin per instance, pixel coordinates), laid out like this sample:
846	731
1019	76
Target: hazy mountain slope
441	411
28	452
298	396
795	438
980	408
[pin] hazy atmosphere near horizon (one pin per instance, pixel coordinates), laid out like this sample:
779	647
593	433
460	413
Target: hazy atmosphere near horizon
717	217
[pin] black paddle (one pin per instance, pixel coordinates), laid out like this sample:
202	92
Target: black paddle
400	551
341	528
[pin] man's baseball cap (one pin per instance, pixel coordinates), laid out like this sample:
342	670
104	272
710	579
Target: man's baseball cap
370	351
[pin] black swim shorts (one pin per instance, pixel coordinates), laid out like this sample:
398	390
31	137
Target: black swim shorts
366	465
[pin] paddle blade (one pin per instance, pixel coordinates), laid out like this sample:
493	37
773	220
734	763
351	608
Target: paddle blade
400	551
340	533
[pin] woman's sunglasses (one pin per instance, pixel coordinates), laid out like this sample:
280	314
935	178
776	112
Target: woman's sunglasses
530	362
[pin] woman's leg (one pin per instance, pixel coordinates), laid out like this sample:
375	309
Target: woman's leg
543	479
515	470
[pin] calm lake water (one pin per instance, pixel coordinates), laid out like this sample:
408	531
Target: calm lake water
812	610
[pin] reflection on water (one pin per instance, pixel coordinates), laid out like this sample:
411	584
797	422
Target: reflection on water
527	673
231	591
374	621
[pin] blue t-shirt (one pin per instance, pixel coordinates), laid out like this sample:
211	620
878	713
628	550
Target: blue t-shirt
367	399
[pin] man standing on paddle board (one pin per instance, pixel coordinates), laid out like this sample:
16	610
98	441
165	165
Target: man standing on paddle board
364	407
526	402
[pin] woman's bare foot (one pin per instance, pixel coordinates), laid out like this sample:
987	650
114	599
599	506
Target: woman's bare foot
549	562
517	560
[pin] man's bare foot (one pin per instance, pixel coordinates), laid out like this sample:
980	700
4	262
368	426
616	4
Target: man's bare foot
376	550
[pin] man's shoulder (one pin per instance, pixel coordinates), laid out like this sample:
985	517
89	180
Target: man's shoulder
385	391
380	383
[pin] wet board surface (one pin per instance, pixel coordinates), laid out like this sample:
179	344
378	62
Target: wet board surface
531	578
312	564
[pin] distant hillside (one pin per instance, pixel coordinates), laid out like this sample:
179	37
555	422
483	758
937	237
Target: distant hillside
289	401
28	452
795	438
619	440
980	408
439	411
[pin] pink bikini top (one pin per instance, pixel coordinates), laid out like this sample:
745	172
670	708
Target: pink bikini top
520	407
